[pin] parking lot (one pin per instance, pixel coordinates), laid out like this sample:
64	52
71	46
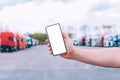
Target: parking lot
37	64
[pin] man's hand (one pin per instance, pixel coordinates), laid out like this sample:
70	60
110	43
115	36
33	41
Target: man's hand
69	46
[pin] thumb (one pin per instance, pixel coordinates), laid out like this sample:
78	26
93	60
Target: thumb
64	35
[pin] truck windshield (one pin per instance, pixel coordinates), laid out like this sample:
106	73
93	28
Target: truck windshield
18	40
10	38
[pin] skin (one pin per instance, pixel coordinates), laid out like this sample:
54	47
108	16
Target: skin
109	57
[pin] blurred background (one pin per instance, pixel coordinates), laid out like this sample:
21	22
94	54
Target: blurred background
91	24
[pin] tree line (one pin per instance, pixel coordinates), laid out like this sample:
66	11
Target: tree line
40	36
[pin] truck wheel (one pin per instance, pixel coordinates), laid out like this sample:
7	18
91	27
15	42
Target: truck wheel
10	50
7	50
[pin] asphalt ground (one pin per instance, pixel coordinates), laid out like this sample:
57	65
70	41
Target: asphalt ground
37	64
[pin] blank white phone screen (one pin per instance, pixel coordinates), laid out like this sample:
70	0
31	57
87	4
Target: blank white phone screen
56	39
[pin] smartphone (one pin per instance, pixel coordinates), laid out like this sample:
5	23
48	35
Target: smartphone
56	39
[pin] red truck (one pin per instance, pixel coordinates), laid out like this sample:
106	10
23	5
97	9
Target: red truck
102	41
0	41
83	41
8	43
18	38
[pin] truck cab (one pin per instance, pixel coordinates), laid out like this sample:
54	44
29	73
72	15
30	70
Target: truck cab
18	40
28	42
23	42
8	43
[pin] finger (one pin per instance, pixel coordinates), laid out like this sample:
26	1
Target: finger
48	45
47	41
64	35
49	48
50	52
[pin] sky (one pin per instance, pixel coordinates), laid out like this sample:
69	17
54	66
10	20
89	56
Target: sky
33	15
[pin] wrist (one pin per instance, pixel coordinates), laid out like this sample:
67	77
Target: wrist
74	53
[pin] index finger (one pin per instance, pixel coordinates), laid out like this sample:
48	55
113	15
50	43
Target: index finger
47	41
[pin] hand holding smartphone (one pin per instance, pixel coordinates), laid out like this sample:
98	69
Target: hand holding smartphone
56	39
